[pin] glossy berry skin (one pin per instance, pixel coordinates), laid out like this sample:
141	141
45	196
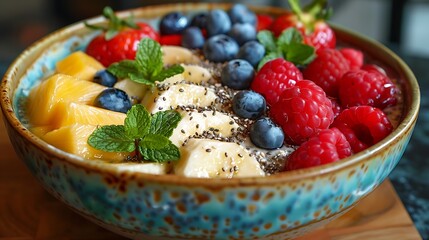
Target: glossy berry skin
192	38
237	74
373	67
363	126
113	99
274	77
218	22
220	48
173	23
326	70
249	104
171	40
353	56
252	51
122	46
242	33
302	111
239	13
328	146
105	78
199	20
359	87
264	22
266	134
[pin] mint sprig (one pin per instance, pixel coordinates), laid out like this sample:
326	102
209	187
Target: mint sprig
145	134
289	45
147	68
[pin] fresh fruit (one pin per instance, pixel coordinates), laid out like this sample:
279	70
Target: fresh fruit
359	87
237	74
143	167
252	52
105	78
178	55
263	22
328	146
218	22
79	65
326	70
302	111
239	13
373	67
113	99
274	77
43	99
242	32
171	40
249	104
353	56
173	23
134	90
266	134
206	158
119	40
336	107
191	74
220	48
192	37
199	20
363	126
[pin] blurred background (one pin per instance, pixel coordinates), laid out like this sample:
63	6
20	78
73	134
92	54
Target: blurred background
402	25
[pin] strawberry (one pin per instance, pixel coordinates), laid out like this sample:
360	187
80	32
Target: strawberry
310	22
264	22
119	40
173	39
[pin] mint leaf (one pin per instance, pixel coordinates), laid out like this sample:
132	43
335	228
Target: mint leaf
267	39
300	54
270	56
169	153
288	36
123	69
168	72
164	122
154	141
137	122
111	138
139	78
149	58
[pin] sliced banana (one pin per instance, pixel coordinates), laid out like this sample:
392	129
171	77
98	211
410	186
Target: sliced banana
162	98
194	123
192	73
148	167
133	89
206	158
178	55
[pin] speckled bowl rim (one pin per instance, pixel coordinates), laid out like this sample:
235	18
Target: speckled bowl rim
393	61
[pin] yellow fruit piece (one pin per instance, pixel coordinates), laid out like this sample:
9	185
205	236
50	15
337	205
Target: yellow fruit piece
68	113
44	98
73	139
79	65
40	131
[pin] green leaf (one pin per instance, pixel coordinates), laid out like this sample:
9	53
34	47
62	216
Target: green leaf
267	39
149	58
270	56
137	122
154	141
288	36
300	54
168	72
139	78
169	153
164	122
111	138
123	68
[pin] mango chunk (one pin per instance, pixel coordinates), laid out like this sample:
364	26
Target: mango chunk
79	65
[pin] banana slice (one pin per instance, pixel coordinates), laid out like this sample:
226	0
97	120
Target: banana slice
205	158
164	97
192	73
195	123
178	55
149	167
133	89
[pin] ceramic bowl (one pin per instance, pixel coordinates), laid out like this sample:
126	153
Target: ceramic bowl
144	206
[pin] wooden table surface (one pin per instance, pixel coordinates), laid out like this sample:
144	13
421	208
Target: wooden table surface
27	211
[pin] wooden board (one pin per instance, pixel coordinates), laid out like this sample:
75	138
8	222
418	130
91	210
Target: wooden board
27	211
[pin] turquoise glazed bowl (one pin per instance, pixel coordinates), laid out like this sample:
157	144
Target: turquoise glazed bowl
144	206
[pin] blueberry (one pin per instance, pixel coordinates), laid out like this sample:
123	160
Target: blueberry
173	23
237	74
239	13
252	51
218	22
249	104
220	48
242	32
192	37
113	99
265	134
105	78
199	20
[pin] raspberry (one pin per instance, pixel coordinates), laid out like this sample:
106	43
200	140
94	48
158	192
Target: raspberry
363	126
330	145
302	111
359	87
327	69
373	67
274	77
353	56
336	107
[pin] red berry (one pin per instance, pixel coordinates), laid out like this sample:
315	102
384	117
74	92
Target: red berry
326	70
373	67
330	145
173	39
286	21
274	77
263	22
363	126
322	37
354	57
336	107
302	111
359	87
